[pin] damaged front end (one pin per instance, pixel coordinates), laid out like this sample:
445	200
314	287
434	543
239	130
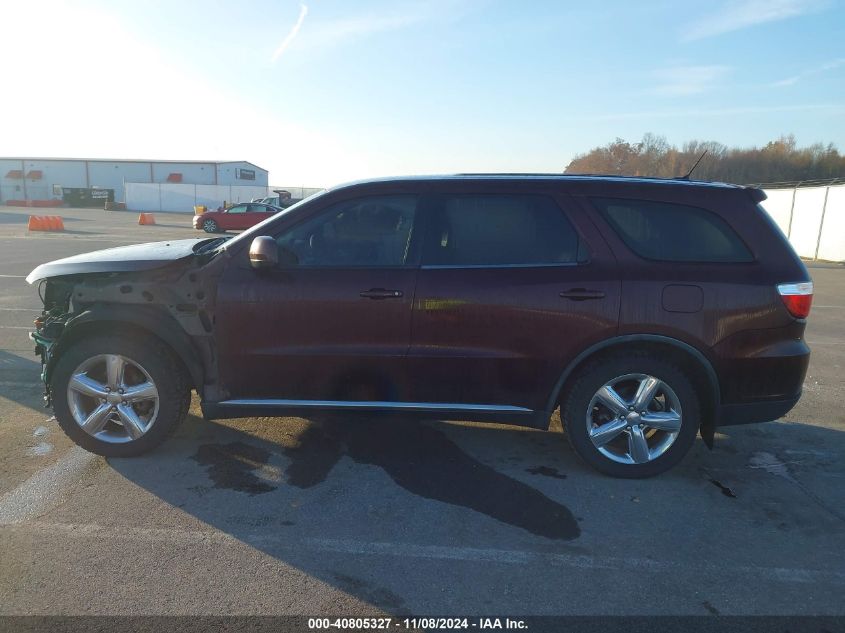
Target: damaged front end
48	329
173	302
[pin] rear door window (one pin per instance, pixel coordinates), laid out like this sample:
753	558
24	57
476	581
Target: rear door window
672	232
499	230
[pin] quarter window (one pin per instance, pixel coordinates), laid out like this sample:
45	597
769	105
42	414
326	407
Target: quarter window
373	231
673	232
500	230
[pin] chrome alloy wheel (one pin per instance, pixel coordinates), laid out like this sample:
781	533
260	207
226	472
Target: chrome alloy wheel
634	419
113	398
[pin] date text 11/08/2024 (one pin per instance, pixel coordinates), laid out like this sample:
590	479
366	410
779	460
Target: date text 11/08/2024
417	623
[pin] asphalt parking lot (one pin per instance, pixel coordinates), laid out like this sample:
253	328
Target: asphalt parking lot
290	516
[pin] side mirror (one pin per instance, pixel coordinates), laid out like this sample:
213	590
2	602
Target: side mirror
263	253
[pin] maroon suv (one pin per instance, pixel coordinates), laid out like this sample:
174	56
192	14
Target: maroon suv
647	310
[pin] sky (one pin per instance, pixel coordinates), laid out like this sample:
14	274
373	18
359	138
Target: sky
325	91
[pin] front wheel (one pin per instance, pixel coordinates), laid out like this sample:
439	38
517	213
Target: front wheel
631	416
210	226
119	396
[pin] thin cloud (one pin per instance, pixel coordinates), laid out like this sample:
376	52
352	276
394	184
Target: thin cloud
687	80
794	79
742	14
345	30
291	36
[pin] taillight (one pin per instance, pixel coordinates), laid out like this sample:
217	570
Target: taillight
797	298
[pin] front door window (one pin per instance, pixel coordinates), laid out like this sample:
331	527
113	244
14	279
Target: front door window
365	232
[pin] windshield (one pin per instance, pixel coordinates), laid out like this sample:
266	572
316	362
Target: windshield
258	229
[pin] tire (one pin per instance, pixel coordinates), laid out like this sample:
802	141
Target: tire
139	418
585	410
210	226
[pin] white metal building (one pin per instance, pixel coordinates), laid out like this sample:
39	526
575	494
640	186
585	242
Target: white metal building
23	178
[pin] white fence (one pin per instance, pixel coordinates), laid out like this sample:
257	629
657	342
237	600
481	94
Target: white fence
145	196
296	192
813	218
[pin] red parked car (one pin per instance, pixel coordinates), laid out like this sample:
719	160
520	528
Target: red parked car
237	217
648	311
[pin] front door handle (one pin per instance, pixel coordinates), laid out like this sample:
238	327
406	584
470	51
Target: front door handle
380	293
581	294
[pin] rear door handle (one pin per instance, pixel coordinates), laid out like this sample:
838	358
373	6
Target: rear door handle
380	293
581	294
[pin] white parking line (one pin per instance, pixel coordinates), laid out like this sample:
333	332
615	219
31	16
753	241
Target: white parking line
47	488
13	276
433	552
15	327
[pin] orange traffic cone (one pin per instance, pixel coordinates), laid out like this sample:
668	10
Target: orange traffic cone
146	218
45	223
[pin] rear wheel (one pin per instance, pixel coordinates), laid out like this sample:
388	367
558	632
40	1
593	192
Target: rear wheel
210	226
119	396
631	416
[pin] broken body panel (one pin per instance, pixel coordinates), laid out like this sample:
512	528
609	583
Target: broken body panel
167	289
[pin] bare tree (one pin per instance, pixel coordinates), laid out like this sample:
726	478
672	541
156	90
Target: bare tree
778	161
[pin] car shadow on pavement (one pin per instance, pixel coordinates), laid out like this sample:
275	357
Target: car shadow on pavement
353	503
13	218
20	381
331	486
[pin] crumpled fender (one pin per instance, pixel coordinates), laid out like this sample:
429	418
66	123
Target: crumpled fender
154	320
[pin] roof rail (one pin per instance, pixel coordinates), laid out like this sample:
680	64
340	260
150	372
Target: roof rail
558	175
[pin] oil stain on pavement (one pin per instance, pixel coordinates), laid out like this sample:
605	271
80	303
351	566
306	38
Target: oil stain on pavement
232	466
417	457
546	471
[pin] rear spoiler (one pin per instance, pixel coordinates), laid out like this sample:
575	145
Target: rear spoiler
757	195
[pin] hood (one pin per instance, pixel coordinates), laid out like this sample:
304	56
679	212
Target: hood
121	259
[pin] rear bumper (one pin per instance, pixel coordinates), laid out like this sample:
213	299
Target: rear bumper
761	373
750	412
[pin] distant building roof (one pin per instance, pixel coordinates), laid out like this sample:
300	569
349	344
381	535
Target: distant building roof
132	160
